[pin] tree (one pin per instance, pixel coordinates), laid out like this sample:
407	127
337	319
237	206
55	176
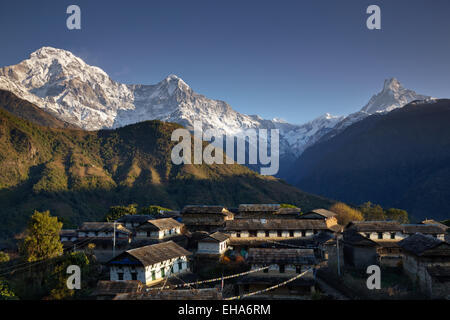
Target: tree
117	212
153	210
372	212
287	205
4	257
397	215
345	214
5	291
42	237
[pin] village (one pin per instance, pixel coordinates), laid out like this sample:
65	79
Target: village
262	251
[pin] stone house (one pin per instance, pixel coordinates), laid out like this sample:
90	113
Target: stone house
103	230
283	264
360	252
426	260
205	218
274	229
393	230
131	221
149	264
215	243
257	211
158	229
321	214
107	290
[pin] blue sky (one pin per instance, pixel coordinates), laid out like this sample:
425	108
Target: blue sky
287	59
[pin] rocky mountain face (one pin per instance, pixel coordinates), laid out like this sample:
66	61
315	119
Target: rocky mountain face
83	95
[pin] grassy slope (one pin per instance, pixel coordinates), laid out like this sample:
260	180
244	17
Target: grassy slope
78	174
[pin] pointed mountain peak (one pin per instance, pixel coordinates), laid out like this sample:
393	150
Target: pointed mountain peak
392	84
172	82
393	96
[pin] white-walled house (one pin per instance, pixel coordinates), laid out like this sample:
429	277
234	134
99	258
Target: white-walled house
103	230
158	229
68	235
393	230
275	228
150	263
215	243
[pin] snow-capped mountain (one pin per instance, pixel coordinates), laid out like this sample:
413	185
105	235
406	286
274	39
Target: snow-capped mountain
84	95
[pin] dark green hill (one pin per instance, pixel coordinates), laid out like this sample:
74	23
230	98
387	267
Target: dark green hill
28	111
401	159
78	175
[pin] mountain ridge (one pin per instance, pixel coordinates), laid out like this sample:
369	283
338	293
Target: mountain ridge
63	84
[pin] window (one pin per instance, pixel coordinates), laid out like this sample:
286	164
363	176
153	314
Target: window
120	275
303	233
380	235
281	268
298	269
148	234
163	273
368	235
180	265
393	235
279	233
267	234
266	270
252	233
291	233
133	276
153	275
238	235
315	231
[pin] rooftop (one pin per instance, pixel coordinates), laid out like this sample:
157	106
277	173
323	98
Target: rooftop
267	256
184	294
160	224
418	244
116	287
102	227
216	209
259	207
152	254
275	224
216	237
322	212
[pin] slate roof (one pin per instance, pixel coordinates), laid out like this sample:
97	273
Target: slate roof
135	218
259	207
183	294
68	233
418	244
431	221
352	237
216	237
111	288
152	254
422	228
102	227
374	226
216	209
267	256
275	224
322	212
160	224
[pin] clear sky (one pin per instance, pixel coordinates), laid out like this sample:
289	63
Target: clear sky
287	59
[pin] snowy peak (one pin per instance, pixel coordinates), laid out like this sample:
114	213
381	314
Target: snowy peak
392	84
393	96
